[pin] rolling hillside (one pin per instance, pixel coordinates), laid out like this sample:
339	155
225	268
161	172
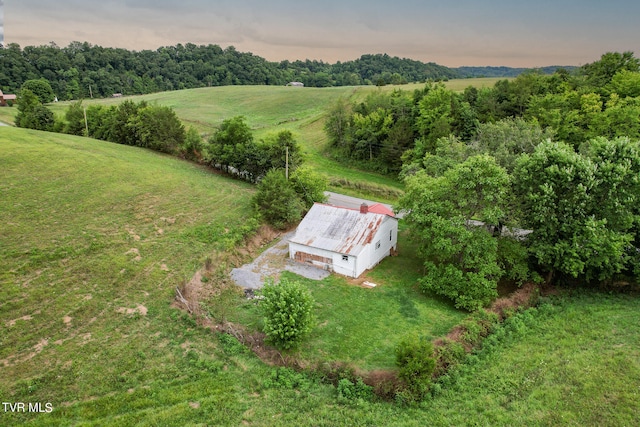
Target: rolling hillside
269	109
94	238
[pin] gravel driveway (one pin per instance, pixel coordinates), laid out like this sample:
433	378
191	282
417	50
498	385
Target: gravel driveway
270	263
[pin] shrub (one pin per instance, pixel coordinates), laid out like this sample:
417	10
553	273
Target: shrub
32	114
477	326
350	391
287	309
192	147
414	358
449	354
288	379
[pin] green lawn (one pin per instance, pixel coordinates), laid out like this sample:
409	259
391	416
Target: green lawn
361	326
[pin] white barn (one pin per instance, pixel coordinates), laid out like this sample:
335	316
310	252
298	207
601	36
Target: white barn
344	240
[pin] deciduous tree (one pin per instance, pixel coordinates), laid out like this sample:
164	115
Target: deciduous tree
461	257
277	201
288	312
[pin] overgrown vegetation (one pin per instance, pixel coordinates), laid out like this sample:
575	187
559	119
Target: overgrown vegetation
282	202
414	357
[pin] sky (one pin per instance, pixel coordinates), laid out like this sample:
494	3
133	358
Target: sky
1	22
515	33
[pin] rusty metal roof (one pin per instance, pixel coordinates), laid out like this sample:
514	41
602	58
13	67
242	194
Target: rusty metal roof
338	229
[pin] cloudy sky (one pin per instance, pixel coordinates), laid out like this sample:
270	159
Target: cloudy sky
453	33
1	21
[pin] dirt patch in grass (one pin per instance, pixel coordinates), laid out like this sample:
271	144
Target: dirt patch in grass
212	280
524	297
140	309
13	322
134	251
37	349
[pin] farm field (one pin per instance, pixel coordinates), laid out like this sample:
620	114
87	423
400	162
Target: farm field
94	238
270	109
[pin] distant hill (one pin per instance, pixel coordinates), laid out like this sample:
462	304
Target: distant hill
470	72
82	70
384	69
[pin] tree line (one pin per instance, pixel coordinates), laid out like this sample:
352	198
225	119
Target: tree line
535	177
82	70
286	190
390	131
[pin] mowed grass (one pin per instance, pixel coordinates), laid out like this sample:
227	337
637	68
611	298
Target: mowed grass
94	238
270	109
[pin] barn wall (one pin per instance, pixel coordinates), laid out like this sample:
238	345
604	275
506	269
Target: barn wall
387	236
346	267
324	259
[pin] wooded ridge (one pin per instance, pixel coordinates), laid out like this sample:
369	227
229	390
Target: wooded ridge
82	70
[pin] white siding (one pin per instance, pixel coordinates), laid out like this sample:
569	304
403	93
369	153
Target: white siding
387	236
345	267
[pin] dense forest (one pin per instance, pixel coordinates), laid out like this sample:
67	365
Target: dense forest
82	70
555	158
390	132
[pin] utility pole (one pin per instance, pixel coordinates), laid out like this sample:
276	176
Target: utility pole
286	169
86	125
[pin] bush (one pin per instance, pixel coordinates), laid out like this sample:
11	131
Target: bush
288	379
193	146
416	363
449	354
32	114
351	391
287	309
479	325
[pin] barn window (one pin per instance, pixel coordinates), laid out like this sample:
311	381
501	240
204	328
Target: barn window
390	234
345	257
378	244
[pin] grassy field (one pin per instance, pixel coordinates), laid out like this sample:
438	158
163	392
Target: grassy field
271	109
94	237
573	362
